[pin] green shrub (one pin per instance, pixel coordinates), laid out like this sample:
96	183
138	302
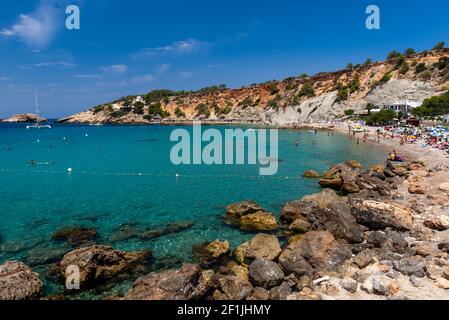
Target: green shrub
202	110
98	109
367	62
383	117
393	55
409	52
273	88
307	90
404	68
179	113
349	112
138	107
156	109
420	67
433	106
439	46
426	75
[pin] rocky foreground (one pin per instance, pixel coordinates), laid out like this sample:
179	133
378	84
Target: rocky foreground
23	118
378	233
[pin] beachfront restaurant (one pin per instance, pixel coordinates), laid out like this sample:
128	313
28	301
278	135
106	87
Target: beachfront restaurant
405	107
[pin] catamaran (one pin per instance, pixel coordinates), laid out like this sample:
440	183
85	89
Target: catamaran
37	125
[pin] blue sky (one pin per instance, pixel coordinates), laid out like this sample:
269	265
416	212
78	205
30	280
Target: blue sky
134	46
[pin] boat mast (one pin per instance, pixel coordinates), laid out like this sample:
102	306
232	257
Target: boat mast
37	107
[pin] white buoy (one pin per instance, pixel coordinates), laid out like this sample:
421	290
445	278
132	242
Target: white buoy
87	135
38	141
69	170
177	175
63	138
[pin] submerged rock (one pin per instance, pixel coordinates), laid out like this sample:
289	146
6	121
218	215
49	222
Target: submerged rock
210	251
98	264
75	235
125	232
19	245
44	255
261	246
168	285
169	229
380	215
19	282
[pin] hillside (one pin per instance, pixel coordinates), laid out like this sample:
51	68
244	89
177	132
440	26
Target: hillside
325	96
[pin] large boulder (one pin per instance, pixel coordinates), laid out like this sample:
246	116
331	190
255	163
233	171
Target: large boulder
266	274
249	216
167	285
380	215
259	221
300	209
261	246
325	211
98	264
316	250
338	220
232	288
19	282
237	210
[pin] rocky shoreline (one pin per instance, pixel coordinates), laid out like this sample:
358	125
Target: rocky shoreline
374	233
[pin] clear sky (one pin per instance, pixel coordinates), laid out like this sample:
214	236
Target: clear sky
134	46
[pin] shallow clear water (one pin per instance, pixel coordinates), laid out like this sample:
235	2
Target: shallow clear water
106	185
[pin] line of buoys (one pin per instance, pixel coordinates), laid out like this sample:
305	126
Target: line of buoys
142	174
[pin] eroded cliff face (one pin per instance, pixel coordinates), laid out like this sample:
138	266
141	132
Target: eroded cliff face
325	96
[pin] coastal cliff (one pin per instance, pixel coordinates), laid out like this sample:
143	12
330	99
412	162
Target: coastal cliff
322	97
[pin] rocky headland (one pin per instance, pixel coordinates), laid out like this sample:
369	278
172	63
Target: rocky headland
371	233
22	118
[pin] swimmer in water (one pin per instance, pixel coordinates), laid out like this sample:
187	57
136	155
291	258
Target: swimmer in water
32	162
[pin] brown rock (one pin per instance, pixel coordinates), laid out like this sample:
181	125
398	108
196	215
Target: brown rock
210	251
316	250
168	285
300	226
75	235
19	282
259	221
240	209
439	223
232	288
261	246
98	264
380	215
394	287
311	174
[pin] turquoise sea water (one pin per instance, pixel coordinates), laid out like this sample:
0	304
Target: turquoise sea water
123	174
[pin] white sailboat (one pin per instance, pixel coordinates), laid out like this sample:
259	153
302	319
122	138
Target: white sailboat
37	125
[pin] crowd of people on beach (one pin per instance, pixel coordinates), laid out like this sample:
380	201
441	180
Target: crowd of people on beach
430	137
